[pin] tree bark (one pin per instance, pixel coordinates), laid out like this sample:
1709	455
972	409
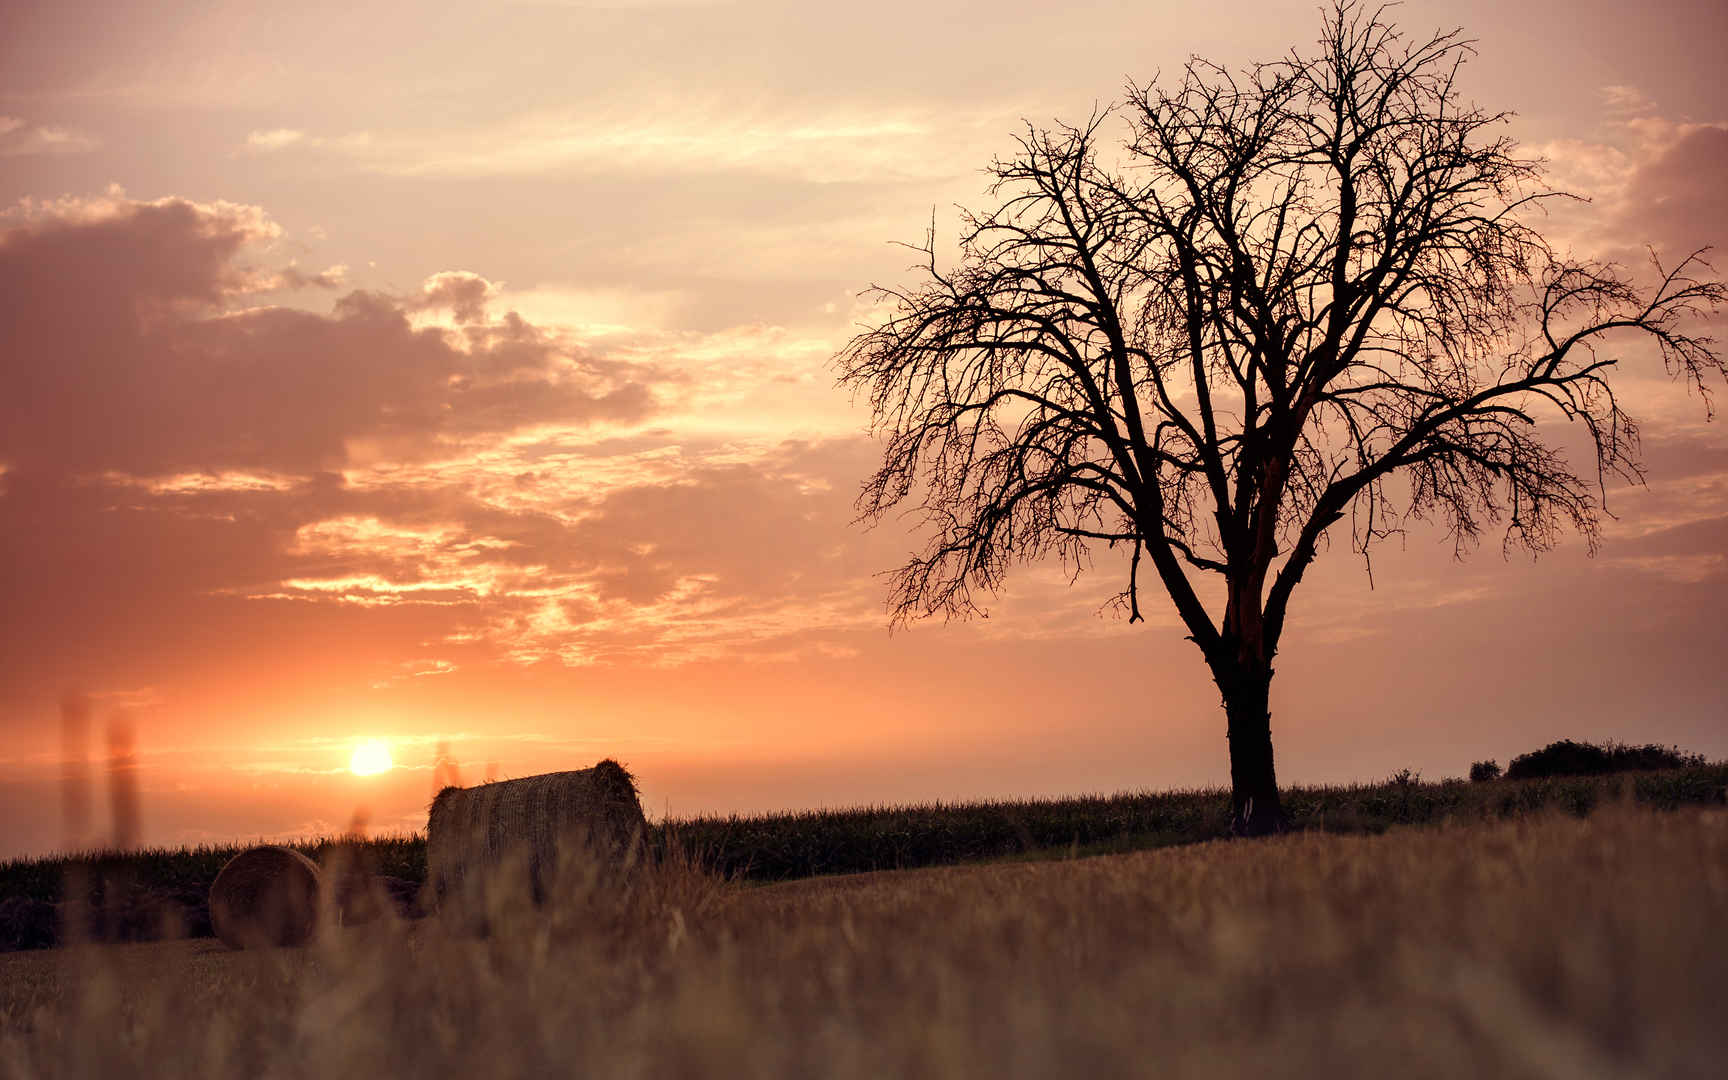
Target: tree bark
1255	809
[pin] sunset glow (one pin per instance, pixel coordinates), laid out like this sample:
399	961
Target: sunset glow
370	758
475	390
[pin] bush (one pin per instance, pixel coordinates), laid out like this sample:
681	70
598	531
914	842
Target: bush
1568	758
1483	771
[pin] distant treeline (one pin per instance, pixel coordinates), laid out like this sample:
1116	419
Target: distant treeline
146	894
1568	758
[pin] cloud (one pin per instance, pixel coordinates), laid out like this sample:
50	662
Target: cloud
1653	180
1637	119
682	137
127	353
292	277
464	293
1678	199
689	561
19	138
194	482
274	139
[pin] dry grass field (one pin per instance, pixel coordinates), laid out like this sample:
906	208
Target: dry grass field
1543	947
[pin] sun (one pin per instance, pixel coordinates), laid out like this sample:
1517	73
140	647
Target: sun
371	757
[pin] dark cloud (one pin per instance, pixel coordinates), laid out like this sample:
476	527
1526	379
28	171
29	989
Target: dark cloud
123	354
168	455
1679	200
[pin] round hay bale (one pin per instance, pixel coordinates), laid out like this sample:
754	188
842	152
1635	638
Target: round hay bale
470	831
265	896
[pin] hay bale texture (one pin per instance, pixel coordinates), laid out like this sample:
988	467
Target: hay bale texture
265	896
537	822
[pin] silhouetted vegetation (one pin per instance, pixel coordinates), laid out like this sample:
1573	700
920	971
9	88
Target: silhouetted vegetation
1568	758
783	846
142	895
149	894
1483	771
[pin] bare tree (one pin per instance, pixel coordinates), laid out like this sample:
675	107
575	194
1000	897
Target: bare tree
1299	292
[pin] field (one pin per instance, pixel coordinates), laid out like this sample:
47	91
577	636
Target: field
126	896
1546	945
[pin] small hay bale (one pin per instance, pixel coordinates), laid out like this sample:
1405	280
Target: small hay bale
471	832
265	896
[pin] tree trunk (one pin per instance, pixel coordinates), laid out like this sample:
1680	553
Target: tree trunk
1255	809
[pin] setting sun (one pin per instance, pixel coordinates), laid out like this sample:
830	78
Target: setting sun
370	758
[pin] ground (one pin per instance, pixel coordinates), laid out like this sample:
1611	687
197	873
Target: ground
1554	946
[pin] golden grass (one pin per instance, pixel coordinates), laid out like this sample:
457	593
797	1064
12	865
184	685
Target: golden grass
1550	947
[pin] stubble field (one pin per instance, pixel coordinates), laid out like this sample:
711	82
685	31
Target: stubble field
1550	946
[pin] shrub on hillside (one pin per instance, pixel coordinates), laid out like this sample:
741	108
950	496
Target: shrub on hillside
1568	758
1483	771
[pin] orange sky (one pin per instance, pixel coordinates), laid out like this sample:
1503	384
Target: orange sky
460	374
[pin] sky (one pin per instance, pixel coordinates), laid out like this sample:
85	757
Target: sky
459	376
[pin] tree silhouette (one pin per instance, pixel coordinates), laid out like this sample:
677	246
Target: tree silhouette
1299	292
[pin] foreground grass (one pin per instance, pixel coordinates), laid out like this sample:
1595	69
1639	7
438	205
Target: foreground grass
129	894
1543	946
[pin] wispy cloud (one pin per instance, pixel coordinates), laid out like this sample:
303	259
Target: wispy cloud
19	138
679	138
273	140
